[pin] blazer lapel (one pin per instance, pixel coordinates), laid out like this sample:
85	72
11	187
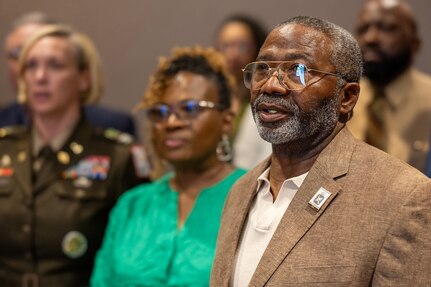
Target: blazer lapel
233	220
300	216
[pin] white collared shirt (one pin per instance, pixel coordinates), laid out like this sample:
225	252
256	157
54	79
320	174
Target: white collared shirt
263	219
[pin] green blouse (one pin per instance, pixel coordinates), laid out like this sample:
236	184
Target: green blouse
143	245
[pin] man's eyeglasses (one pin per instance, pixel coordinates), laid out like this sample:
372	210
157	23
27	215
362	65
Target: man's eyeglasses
292	76
185	110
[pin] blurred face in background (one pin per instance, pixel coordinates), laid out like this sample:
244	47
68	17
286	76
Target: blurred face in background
386	35
14	43
53	80
235	41
187	141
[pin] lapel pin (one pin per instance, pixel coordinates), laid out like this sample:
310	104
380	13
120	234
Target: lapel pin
76	148
63	157
319	198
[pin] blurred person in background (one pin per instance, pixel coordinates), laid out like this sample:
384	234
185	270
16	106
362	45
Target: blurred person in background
164	233
394	110
239	38
16	114
59	175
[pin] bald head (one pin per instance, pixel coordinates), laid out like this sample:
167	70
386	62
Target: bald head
387	34
399	9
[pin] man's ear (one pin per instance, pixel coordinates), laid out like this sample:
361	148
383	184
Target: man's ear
349	95
415	45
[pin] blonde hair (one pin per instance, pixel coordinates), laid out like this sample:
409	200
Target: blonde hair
86	55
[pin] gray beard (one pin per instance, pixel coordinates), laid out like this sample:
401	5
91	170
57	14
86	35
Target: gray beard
299	125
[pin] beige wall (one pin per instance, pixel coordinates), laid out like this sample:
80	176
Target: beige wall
132	34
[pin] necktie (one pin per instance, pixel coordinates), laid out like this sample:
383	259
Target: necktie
44	165
376	131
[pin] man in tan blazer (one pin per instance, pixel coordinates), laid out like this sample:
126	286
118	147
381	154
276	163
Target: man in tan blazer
325	209
394	110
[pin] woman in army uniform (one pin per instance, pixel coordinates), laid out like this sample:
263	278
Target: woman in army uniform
60	176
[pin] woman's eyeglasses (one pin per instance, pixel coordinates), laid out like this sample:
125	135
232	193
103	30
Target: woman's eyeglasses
184	110
292	76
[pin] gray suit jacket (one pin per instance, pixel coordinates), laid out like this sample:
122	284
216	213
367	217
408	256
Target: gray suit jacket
374	230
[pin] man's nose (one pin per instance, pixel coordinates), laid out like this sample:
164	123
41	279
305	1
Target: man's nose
273	85
371	35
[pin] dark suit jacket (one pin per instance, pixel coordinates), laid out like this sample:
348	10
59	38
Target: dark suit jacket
374	229
15	114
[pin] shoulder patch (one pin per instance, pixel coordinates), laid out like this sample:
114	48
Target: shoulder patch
11	131
118	136
111	134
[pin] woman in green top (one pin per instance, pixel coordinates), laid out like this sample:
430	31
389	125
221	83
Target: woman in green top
164	233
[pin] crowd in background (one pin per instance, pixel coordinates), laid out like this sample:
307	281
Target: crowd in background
82	199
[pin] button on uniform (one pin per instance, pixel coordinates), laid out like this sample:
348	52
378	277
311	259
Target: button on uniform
26	228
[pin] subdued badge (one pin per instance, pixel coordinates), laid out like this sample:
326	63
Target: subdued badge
319	198
74	244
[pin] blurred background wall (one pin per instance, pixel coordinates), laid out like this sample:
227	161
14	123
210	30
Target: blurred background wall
132	34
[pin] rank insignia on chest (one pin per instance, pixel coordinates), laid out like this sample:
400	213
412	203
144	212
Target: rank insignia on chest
94	167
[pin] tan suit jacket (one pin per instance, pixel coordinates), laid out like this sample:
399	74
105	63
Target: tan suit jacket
408	121
374	229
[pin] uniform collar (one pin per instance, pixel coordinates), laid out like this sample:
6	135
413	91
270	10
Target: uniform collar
57	142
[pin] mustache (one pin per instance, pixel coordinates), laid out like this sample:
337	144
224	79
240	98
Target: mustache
282	101
375	49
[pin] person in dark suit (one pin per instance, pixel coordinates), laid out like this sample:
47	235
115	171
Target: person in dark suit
16	114
325	209
59	175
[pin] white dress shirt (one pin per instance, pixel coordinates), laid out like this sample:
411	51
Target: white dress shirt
263	219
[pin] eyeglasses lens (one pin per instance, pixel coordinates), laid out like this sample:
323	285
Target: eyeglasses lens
184	110
291	76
